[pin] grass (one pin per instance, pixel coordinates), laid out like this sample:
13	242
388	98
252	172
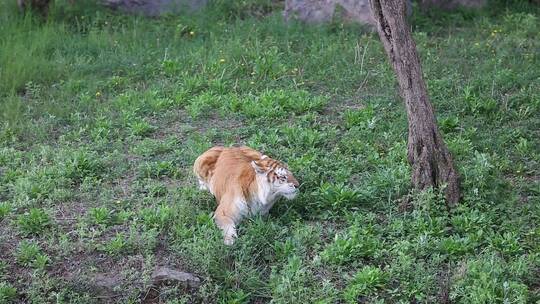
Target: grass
102	116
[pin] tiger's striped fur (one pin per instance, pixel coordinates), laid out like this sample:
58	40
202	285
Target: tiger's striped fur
244	182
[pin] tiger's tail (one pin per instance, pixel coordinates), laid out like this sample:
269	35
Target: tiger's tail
204	165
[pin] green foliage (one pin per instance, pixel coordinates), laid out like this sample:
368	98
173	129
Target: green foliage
365	282
278	103
158	169
30	254
477	105
455	246
235	297
357	242
488	279
100	215
36	221
82	164
117	245
290	283
156	217
140	127
102	115
5	209
337	197
508	243
449	124
8	293
364	117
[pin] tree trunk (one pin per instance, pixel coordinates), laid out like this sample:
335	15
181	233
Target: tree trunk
428	155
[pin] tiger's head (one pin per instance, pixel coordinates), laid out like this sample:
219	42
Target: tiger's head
276	177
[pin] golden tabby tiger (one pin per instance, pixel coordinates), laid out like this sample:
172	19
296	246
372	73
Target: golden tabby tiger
244	182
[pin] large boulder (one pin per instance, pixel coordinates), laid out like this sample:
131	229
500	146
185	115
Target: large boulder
319	11
452	4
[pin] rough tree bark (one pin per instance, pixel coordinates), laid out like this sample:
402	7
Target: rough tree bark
428	155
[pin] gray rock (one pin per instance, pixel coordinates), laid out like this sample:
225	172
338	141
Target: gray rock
105	284
166	274
319	11
452	4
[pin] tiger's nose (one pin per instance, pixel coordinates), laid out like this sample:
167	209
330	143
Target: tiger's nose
295	184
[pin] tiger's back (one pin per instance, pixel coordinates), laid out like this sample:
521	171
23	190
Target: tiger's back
234	162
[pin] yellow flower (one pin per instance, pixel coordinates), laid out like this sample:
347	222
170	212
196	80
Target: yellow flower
192	33
252	82
222	60
98	93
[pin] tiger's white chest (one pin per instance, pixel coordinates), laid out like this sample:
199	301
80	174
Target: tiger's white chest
264	200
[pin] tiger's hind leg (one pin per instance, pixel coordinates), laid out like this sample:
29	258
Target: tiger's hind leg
203	186
229	212
227	226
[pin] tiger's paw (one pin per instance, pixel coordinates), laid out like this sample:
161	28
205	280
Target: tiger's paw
229	241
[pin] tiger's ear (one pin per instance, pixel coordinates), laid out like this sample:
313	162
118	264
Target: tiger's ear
258	169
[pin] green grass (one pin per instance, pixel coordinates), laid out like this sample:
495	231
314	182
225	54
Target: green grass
102	116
